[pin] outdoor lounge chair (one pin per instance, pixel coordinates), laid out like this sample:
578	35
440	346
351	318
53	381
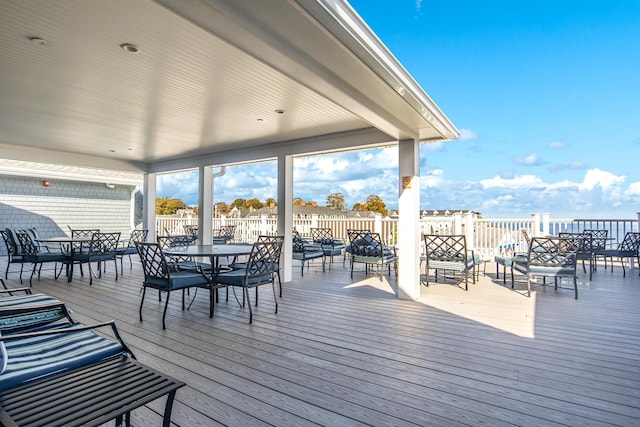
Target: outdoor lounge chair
130	249
366	248
71	374
449	253
628	249
261	267
305	252
549	257
160	275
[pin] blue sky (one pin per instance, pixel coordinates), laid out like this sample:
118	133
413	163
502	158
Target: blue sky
546	95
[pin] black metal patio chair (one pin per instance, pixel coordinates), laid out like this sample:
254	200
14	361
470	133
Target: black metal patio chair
103	247
627	249
32	253
261	268
550	257
305	252
130	249
161	275
366	248
331	247
449	253
224	234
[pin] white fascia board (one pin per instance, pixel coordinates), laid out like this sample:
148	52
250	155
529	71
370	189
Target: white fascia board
68	173
367	46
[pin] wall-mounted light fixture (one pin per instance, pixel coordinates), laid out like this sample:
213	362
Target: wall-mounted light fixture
111	186
46	183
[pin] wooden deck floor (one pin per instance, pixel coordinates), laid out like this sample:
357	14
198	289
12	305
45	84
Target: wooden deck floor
348	352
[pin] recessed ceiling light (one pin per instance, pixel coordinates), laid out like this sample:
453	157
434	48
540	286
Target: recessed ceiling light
278	111
38	40
131	48
112	151
260	120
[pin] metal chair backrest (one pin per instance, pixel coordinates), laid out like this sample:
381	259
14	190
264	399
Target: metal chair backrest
29	247
265	257
554	252
137	236
154	262
584	241
630	243
226	233
104	243
446	247
172	242
598	239
365	243
82	234
322	236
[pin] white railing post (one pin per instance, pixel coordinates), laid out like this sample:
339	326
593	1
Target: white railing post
457	223
536	225
314	221
263	224
545	224
469	230
223	220
377	224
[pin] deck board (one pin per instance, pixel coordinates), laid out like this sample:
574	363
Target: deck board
348	352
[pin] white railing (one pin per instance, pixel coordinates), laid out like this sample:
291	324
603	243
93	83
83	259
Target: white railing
488	237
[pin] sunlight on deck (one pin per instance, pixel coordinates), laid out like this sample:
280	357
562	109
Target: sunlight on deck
486	302
374	282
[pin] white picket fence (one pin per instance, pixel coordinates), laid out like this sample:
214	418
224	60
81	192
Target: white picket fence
488	237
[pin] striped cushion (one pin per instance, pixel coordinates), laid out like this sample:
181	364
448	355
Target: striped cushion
26	359
34	316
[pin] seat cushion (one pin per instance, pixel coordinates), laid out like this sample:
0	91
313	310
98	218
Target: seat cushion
179	280
237	278
26	359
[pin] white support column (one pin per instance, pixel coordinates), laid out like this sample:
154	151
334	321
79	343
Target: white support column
409	219
377	224
285	213
205	205
149	205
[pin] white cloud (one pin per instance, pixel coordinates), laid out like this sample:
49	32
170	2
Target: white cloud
467	135
433	147
522	181
558	144
634	189
528	160
603	179
418	5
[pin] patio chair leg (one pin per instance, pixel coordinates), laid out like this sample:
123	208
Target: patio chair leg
246	293
166	305
275	299
144	291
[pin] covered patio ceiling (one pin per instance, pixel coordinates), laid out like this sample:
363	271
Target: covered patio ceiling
214	82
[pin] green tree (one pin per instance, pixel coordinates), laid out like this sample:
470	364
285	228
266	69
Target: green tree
166	206
253	203
221	208
359	207
375	204
335	201
239	203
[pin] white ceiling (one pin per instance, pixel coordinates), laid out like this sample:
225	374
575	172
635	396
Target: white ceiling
205	87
